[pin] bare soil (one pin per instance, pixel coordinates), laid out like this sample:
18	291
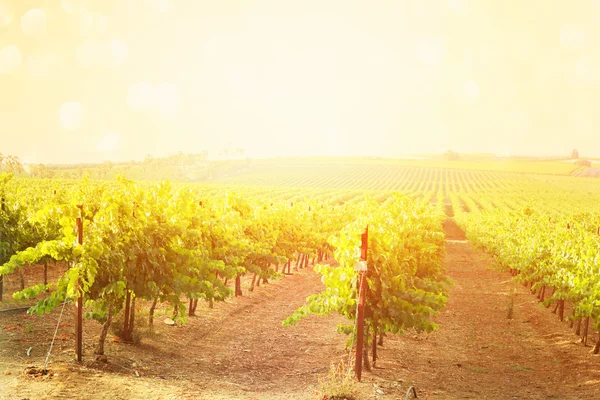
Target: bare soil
478	352
239	350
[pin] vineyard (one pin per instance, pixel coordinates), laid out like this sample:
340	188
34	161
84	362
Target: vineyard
543	229
138	256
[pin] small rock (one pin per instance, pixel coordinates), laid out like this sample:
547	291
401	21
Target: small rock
169	321
379	391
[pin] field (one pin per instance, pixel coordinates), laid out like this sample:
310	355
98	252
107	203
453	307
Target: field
466	162
490	251
206	170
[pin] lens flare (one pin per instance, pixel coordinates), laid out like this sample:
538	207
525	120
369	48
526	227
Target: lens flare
33	23
10	59
6	14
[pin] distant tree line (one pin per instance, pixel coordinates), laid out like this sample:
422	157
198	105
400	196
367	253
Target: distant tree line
11	164
179	165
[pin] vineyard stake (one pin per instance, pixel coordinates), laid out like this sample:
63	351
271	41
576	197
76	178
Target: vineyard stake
360	317
79	301
3	208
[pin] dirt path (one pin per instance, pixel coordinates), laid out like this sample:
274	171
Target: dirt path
479	353
238	350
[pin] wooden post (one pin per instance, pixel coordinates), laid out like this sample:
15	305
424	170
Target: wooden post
360	317
360	327
79	302
3	208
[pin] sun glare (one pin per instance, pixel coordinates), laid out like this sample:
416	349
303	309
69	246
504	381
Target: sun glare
572	38
471	89
71	115
163	97
43	64
74	6
431	51
273	77
91	24
158	6
105	53
118	52
140	97
109	142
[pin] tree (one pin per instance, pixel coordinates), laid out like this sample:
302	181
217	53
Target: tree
41	171
451	155
574	154
1	160
13	165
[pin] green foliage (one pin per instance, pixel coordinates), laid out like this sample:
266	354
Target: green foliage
555	250
153	240
406	285
30	292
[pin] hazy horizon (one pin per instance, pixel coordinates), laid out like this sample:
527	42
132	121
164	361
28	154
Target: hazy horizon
87	81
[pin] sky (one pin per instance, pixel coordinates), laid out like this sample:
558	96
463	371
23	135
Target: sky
95	80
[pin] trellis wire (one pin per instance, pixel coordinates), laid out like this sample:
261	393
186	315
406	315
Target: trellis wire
54	337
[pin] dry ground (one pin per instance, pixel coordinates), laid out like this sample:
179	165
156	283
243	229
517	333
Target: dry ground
479	353
238	350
